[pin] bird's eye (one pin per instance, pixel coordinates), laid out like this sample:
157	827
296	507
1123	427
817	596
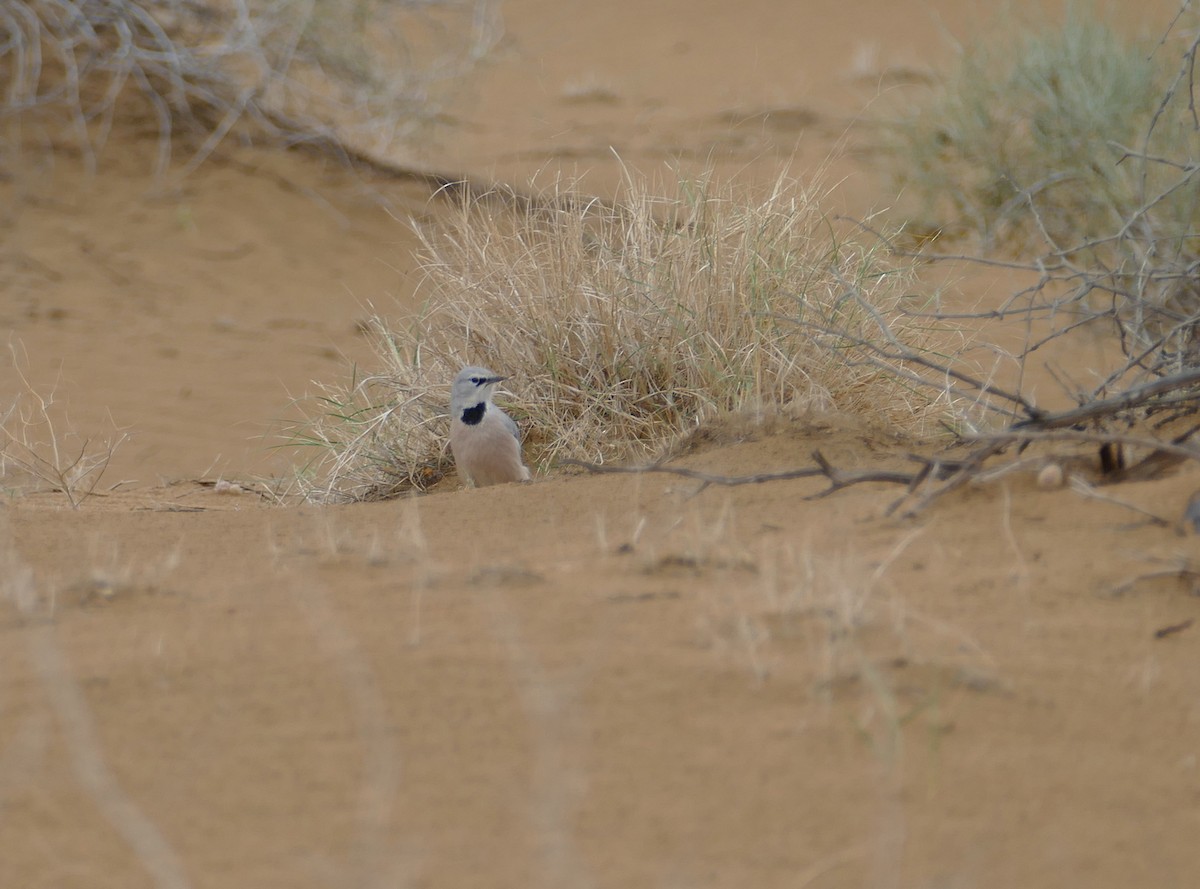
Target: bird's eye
477	380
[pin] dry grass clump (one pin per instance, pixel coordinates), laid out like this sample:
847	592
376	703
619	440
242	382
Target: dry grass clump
621	326
362	73
40	451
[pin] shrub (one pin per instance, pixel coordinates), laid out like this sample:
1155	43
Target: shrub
621	326
363	73
1041	119
1075	149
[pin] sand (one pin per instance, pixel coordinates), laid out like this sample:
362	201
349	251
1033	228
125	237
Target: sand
589	681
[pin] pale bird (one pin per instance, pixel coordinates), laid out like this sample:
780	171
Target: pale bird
484	440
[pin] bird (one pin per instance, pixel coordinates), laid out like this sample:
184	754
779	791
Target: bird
485	441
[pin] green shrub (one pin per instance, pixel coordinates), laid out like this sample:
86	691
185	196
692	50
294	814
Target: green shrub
1028	137
1076	149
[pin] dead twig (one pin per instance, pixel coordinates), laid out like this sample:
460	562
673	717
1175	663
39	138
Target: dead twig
838	478
963	471
1172	629
1181	573
1083	489
1136	397
706	478
1158	460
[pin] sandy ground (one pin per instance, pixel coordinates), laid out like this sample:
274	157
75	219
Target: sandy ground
588	681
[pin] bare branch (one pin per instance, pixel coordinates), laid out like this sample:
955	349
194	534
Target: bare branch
837	478
1138	396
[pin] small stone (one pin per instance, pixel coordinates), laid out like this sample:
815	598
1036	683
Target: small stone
1050	477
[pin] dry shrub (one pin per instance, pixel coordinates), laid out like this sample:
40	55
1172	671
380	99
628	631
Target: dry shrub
362	73
1074	149
40	450
622	325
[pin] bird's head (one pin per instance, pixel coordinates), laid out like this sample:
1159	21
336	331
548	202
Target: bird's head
473	386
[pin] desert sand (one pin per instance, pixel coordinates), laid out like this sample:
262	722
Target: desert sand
588	681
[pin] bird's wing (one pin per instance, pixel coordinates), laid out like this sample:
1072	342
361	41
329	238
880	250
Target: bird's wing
511	425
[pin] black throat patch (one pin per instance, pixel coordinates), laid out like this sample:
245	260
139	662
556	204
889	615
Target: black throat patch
472	415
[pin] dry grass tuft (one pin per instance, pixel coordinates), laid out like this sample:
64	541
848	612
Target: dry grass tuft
362	73
621	326
36	454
